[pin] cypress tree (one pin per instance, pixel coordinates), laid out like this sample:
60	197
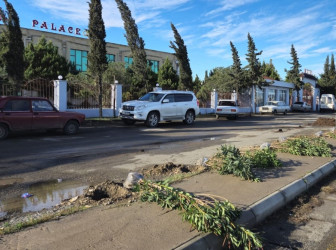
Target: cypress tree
332	74
237	74
13	50
197	84
293	75
137	46
254	72
324	80
97	53
167	77
181	53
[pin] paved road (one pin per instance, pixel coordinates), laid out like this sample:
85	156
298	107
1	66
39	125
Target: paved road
37	151
110	152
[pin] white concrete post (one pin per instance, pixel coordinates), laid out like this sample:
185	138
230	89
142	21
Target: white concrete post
301	95
287	97
60	94
214	99
253	99
116	98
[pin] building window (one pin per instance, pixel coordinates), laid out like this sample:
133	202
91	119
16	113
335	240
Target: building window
260	97
271	95
79	59
128	61
110	58
282	95
154	65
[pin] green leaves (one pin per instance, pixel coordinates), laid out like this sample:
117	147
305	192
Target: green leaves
204	213
264	158
42	60
307	146
235	163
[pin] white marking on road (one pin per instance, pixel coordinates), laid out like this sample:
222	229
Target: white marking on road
154	130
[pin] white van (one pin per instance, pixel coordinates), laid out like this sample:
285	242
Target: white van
328	102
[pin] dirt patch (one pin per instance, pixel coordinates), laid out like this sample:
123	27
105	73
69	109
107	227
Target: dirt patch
158	172
324	122
303	208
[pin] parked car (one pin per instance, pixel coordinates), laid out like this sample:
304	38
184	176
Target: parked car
328	102
162	105
34	113
227	108
301	106
274	107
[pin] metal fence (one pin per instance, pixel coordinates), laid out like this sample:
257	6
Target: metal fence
35	88
86	96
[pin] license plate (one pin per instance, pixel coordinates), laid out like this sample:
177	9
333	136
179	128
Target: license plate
126	113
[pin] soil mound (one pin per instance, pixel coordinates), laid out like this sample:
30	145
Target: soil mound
104	193
324	122
168	169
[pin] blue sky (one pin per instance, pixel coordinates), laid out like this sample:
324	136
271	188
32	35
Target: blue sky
208	26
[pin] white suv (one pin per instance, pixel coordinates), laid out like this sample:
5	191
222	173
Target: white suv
163	105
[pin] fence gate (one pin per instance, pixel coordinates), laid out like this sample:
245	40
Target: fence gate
82	95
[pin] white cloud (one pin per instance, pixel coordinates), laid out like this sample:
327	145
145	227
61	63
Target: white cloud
229	5
77	11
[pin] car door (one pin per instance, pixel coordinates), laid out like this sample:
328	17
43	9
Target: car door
45	116
168	107
17	113
183	103
281	107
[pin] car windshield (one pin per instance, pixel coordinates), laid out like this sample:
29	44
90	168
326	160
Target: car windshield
272	103
226	103
152	97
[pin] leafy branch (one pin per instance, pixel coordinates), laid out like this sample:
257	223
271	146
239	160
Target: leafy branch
264	158
206	213
235	163
306	146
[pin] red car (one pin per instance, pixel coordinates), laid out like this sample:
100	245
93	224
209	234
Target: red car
34	113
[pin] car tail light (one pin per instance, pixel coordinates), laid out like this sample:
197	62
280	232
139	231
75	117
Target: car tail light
233	110
219	109
197	102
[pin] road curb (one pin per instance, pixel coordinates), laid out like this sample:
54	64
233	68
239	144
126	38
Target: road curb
258	211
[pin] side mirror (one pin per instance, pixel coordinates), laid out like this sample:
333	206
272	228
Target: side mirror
165	101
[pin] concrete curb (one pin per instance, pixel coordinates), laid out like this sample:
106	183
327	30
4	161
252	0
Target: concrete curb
258	211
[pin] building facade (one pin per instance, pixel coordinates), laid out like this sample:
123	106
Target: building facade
75	49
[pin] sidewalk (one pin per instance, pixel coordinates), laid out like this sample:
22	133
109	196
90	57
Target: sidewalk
147	226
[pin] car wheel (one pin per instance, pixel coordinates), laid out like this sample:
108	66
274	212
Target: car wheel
71	127
275	112
153	119
128	121
3	131
189	117
285	112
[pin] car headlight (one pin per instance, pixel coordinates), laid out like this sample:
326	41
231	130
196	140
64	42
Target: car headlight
139	108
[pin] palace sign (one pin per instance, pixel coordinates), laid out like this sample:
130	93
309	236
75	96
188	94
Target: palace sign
61	28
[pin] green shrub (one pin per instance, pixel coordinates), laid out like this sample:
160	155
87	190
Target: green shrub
236	164
307	146
264	158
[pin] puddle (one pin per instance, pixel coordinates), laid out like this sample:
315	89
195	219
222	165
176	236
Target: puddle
44	195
